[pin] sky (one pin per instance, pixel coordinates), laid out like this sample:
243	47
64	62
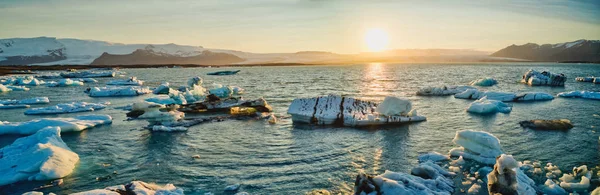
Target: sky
275	26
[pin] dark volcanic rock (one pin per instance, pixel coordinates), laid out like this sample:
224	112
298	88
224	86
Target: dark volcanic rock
557	124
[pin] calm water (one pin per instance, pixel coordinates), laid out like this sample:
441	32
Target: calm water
293	159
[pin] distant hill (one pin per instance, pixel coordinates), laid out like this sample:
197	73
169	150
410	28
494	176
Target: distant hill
150	57
580	51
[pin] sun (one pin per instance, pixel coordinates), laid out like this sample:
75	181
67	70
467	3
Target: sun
376	39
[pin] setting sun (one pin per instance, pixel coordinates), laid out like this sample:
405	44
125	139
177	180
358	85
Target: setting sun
376	39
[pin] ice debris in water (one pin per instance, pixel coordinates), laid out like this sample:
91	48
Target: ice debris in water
442	91
485	106
427	178
333	109
117	91
130	81
506	178
581	94
64	83
78	123
163	88
88	74
488	81
167	129
22	81
433	156
67	108
504	96
479	146
41	156
136	188
535	78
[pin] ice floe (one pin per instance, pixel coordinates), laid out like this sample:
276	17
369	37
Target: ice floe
581	94
504	96
88	74
434	157
393	106
136	188
155	113
479	146
259	104
64	83
130	81
507	178
533	96
35	100
427	178
23	81
442	91
485	106
557	124
67	108
595	80
225	91
488	81
78	123
13	106
117	91
163	88
4	88
168	129
535	78
17	88
41	156
333	109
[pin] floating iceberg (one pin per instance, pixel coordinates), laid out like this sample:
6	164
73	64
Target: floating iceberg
442	91
4	88
581	94
434	157
78	123
578	181
393	106
155	113
226	72
430	179
585	79
551	188
333	109
87	80
67	108
221	91
488	81
163	88
479	146
64	83
260	105
136	188
41	156
535	78
130	81
168	129
17	88
506	178
87	74
36	100
504	96
118	91
533	96
170	99
485	106
26	81
558	124
13	106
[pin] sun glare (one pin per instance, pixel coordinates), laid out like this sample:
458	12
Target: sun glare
376	39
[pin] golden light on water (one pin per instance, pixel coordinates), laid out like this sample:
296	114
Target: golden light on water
376	40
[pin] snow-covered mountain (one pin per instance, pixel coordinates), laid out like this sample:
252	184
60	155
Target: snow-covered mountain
580	50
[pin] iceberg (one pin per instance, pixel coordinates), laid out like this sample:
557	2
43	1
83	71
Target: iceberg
581	94
130	81
87	74
260	105
485	106
136	188
434	157
491	95
479	146
87	80
225	72
78	123
585	79
41	156
166	100
551	188
117	91
155	113
558	124
442	91
533	96
535	78
36	100
64	83
392	106
168	129
17	88
27	81
163	88
221	91
337	110
507	178
2	106
4	88
430	178
67	108
486	82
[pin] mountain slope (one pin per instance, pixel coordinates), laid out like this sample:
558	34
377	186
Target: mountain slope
580	50
150	57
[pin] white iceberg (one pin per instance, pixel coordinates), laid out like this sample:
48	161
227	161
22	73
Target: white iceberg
551	188
67	108
4	88
221	91
78	123
479	146
17	88
173	98
87	80
136	188
64	83
87	74
163	88
130	81
118	91
433	156
442	91
27	81
13	106
41	156
333	109
581	94
36	100
533	96
392	106
155	113
535	78
507	178
431	179
485	106
167	128
488	81
491	95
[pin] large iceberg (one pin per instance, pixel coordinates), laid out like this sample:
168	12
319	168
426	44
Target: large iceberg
64	83
130	81
485	106
333	109
535	78
427	178
488	81
504	96
136	188
41	156
78	123
67	108
87	74
581	94
118	91
479	146
442	91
